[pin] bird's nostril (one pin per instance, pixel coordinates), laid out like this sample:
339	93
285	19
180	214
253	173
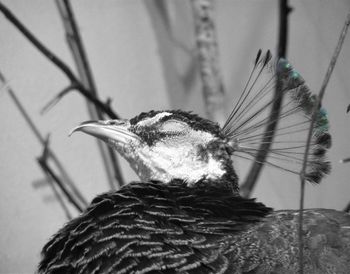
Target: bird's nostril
116	122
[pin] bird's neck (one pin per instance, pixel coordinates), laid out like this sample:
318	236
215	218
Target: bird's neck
228	182
202	200
194	165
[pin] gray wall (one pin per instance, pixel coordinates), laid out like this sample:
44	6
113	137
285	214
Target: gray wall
136	63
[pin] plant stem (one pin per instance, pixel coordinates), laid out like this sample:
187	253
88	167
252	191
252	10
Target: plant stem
56	61
208	56
76	45
57	195
253	175
347	208
307	148
42	141
42	162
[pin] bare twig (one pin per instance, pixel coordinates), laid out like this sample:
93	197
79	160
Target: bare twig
41	140
253	175
307	148
43	164
347	208
58	196
103	106
57	98
50	55
345	160
56	61
45	154
208	56
284	9
76	45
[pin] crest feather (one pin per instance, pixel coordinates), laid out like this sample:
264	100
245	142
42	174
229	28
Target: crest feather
250	116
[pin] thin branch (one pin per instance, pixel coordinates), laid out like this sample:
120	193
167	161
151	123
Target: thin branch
347	208
56	99
58	196
56	61
285	9
208	56
57	180
105	107
253	175
333	62
314	115
44	50
76	45
42	160
345	160
41	140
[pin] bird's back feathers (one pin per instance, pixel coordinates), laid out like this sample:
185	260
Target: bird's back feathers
152	226
172	228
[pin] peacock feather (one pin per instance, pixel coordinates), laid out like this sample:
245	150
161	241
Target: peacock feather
245	126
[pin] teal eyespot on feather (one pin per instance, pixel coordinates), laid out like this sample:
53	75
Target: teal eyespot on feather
318	166
322	123
283	65
323	111
287	65
288	75
295	74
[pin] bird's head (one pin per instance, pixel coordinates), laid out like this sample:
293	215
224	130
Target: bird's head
169	145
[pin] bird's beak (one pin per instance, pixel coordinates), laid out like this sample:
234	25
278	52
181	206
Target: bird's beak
111	130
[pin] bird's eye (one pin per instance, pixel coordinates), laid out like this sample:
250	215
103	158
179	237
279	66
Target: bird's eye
173	126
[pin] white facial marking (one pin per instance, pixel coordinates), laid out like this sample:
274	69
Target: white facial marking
154	119
173	126
178	158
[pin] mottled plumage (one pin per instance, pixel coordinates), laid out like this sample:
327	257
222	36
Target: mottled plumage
172	228
152	226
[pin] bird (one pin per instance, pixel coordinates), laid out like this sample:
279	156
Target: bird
186	214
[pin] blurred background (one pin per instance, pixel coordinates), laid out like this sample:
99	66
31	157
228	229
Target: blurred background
145	60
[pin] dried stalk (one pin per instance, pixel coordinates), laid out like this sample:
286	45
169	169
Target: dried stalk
43	164
208	56
345	160
76	45
57	98
58	196
58	62
347	208
314	115
42	141
52	182
253	175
